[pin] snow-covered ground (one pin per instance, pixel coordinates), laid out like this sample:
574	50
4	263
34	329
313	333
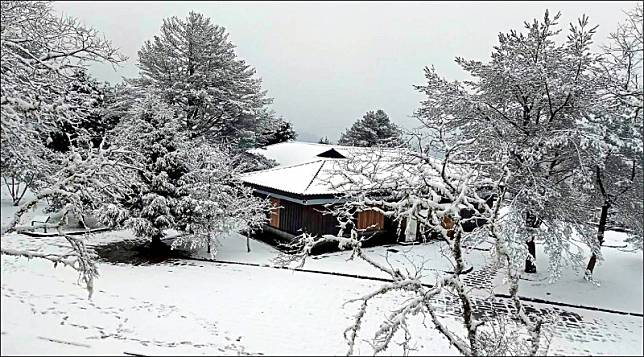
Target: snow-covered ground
200	307
618	278
181	307
212	308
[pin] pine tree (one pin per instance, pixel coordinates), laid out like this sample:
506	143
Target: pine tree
193	67
151	131
279	131
373	129
182	184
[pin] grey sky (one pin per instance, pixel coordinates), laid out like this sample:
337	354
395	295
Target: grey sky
326	64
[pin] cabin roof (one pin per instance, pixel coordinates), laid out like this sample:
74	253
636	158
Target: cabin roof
321	175
297	152
308	171
306	179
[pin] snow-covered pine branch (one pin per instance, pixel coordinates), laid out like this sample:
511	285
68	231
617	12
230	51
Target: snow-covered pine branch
192	65
184	184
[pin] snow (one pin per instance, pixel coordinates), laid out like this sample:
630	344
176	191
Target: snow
223	308
319	177
7	208
329	176
297	152
226	309
202	307
292	152
294	179
619	277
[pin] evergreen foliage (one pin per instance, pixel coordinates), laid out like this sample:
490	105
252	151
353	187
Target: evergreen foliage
374	129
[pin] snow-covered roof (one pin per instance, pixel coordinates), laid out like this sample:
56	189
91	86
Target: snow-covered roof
297	152
309	170
309	178
321	175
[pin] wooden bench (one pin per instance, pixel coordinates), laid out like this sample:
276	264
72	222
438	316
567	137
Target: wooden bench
41	219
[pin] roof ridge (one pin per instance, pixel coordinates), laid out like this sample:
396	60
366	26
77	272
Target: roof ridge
327	145
295	142
314	176
283	167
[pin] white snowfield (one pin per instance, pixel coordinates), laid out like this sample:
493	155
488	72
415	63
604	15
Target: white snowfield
199	307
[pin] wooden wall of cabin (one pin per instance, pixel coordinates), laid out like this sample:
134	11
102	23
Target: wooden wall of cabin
315	222
296	218
371	220
290	217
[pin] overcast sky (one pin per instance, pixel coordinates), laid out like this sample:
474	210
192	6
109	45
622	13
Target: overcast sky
326	64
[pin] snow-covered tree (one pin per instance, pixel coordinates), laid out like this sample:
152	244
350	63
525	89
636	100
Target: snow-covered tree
41	53
373	129
87	181
193	67
278	131
614	133
152	130
185	185
25	170
527	102
87	100
416	187
219	203
513	132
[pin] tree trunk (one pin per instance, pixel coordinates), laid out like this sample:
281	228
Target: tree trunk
533	222
468	310
156	242
530	266
248	243
14	192
600	237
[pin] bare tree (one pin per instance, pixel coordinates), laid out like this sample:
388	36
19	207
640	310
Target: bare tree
89	179
526	102
614	133
417	187
40	52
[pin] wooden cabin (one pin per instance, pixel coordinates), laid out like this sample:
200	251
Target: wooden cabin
301	187
302	184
